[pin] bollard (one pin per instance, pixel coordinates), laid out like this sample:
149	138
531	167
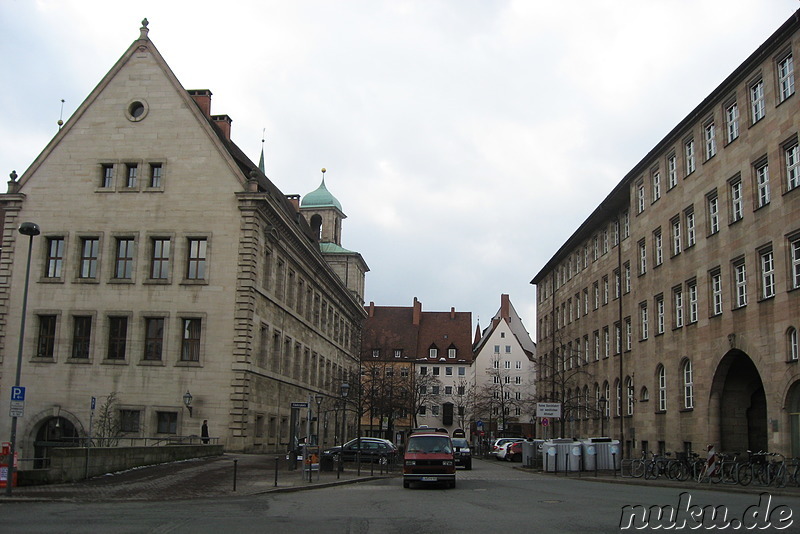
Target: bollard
235	462
614	460
338	465
276	471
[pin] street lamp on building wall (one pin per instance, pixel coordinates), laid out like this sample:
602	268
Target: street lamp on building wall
31	230
187	401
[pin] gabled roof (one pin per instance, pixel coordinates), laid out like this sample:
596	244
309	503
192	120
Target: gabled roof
509	315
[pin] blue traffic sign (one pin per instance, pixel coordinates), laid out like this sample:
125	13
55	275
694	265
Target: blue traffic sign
17	393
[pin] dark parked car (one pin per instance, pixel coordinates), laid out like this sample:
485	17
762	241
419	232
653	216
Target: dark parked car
461	453
372	450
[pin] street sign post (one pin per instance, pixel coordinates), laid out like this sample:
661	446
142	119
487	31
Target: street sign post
548	409
17	406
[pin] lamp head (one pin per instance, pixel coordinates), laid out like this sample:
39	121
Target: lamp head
29	228
345	389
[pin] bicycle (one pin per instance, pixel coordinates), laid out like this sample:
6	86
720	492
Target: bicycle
728	471
657	466
684	466
751	469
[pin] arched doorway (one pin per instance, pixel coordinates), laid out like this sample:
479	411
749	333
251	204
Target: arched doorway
793	407
53	432
737	396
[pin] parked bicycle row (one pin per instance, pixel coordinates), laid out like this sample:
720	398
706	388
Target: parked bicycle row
759	468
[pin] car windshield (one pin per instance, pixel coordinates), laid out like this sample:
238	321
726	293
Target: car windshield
429	444
460	443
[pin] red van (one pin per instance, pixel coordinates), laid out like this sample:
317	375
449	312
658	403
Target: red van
429	458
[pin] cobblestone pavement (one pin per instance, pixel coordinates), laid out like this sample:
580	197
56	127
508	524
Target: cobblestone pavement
195	479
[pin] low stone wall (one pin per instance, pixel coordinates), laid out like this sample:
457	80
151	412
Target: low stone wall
69	464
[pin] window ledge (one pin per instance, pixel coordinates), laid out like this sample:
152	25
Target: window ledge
187	364
157	281
187	282
42	360
86	281
121	281
79	361
684	410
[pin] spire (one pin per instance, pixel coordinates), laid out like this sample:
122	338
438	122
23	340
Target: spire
477	333
261	160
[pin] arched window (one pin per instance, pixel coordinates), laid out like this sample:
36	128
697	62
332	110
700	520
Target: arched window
688	384
791	338
629	393
586	402
661	377
644	395
596	400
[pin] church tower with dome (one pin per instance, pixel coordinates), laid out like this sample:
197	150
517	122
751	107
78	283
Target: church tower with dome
324	215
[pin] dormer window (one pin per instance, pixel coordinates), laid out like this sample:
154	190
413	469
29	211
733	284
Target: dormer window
433	352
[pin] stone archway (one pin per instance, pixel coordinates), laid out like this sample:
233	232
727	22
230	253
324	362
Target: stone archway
738	407
53	432
793	408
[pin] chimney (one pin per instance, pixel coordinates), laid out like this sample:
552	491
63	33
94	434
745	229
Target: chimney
452	313
294	200
372	309
505	308
417	313
224	123
202	97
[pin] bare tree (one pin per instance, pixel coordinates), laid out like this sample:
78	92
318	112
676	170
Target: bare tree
426	392
108	427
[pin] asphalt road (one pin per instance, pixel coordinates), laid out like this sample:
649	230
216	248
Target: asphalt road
493	497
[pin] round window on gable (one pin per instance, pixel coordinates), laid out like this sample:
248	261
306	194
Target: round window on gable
136	110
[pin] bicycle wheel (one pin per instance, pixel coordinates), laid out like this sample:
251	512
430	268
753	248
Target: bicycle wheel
745	474
649	470
715	475
637	468
678	471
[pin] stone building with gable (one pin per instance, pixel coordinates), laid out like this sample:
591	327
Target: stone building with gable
169	264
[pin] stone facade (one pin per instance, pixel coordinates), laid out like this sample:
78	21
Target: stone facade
168	263
678	300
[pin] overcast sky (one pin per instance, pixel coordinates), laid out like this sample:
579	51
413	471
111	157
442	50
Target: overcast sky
465	139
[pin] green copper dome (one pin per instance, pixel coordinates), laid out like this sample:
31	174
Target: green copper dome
321	198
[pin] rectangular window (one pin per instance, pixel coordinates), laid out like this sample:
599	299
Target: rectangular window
398	353
658	247
640	198
451	353
672	171
596	345
732	121
81	336
792	154
129	421
642	257
656	185
107	175
676	236
123	265
154	338
762	184
155	174
716	293
740	279
737	200
55	257
757	107
677	299
131	170
190	340
159	262
90	250
713	213
605	290
117	337
794	248
627	277
196	264
46	339
691	233
786	77
660	314
628	334
644	321
596	292
448	371
688	152
167	422
767	274
692	290
710	140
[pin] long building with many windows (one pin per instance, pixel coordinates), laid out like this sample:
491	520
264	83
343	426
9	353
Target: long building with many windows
670	318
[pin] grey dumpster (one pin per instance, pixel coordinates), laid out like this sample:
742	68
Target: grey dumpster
608	453
559	455
589	455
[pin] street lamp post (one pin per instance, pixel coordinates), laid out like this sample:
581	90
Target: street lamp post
345	389
318	399
602	402
29	229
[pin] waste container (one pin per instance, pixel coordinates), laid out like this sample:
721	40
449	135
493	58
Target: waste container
589	455
560	455
326	463
608	453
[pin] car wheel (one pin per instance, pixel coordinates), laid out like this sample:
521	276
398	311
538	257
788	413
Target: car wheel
406	483
468	466
453	484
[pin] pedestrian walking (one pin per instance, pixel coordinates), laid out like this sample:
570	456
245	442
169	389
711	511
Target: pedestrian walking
204	431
